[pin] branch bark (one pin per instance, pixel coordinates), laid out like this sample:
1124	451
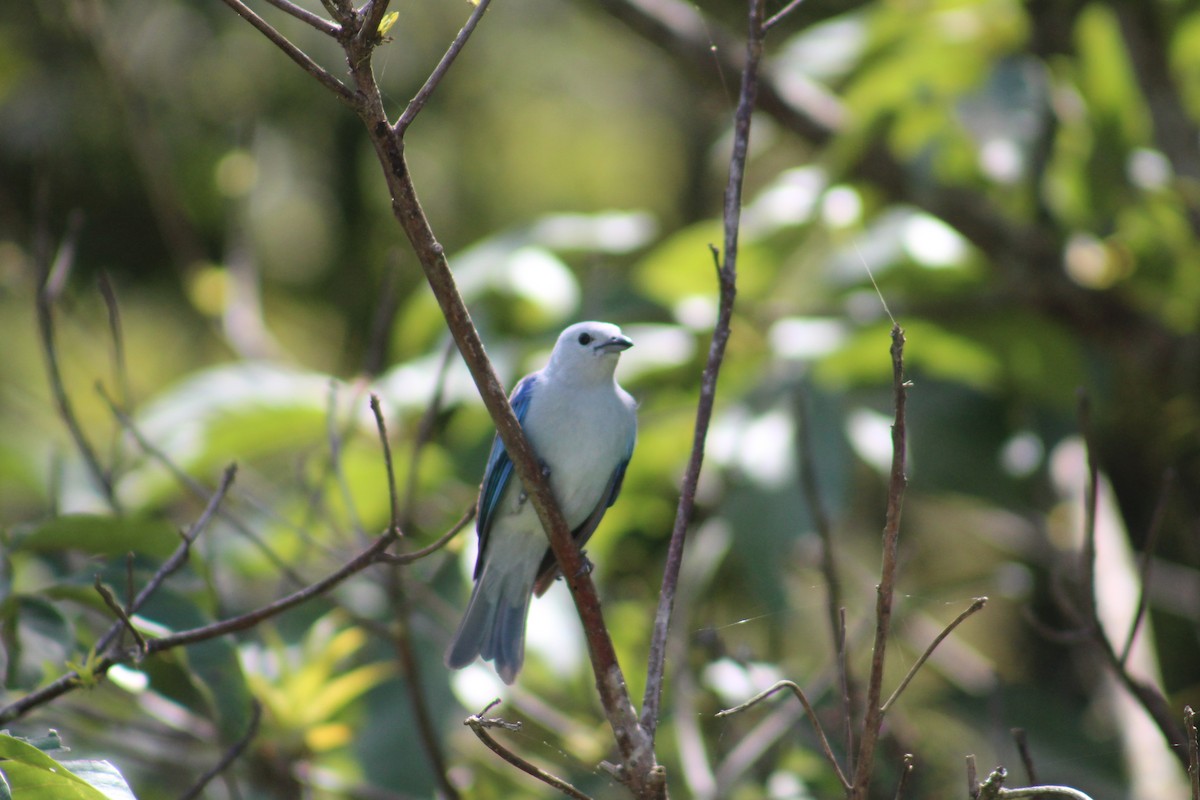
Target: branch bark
873	718
727	280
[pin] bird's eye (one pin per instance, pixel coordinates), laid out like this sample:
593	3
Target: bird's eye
585	338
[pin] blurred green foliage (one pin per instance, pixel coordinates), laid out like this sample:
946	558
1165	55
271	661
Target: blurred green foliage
1018	182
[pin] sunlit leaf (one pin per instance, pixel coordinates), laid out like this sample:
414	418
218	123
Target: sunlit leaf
33	775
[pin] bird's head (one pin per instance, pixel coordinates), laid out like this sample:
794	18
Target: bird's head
589	348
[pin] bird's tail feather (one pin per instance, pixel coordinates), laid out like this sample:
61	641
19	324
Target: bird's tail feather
493	626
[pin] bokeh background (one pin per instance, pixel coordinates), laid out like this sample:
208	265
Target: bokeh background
1021	180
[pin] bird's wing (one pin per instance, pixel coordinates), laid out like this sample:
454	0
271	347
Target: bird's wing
499	469
548	570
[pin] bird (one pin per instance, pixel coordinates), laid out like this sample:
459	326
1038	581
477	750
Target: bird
583	426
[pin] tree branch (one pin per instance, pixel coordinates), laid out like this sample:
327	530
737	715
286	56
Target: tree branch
873	718
304	15
51	278
1150	697
294	53
439	72
979	603
727	281
812	718
1193	768
480	725
230	755
644	776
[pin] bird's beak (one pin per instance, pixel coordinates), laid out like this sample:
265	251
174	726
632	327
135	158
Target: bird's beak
616	344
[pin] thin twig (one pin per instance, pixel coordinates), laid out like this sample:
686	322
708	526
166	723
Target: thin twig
418	698
844	683
120	368
906	769
387	460
196	488
340	10
1090	501
993	789
1034	792
381	323
51	279
1022	741
979	603
779	16
834	605
1193	767
371	15
122	614
972	778
423	437
250	619
433	547
176	560
439	72
402	612
727	280
304	15
816	505
873	717
1156	524
812	718
229	756
336	436
1149	696
294	53
479	725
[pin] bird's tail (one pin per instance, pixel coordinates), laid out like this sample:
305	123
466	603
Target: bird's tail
493	625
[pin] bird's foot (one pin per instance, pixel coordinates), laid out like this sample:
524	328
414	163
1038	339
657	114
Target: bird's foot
545	469
587	566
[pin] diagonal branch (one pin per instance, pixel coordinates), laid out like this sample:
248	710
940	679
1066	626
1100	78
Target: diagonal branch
175	561
304	15
979	603
229	756
52	275
480	724
873	718
435	78
727	279
294	53
812	718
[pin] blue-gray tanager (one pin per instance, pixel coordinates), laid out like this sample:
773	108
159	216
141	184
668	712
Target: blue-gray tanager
582	425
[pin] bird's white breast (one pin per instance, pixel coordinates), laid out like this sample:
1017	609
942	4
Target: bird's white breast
581	433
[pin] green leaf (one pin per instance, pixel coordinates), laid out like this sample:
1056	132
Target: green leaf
96	534
33	775
104	776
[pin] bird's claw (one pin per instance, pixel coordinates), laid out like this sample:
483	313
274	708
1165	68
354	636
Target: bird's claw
586	567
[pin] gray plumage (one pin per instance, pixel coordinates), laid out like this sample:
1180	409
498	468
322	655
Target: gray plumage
583	426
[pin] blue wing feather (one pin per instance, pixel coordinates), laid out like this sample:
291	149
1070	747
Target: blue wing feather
499	469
